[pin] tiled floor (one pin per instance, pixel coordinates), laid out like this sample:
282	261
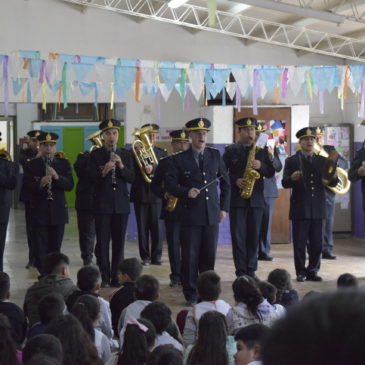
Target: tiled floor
350	253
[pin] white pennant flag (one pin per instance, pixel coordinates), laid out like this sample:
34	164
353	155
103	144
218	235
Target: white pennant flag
242	77
165	92
231	89
35	87
148	76
196	77
296	78
104	73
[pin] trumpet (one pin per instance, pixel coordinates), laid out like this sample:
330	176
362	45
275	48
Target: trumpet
49	186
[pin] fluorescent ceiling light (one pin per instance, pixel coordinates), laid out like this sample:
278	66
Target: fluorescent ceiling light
237	8
297	10
176	3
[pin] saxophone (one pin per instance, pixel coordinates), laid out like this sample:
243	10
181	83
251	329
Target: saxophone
250	175
171	203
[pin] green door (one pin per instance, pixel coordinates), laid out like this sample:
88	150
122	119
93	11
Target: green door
73	144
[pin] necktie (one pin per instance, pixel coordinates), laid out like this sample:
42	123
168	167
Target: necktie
309	158
201	161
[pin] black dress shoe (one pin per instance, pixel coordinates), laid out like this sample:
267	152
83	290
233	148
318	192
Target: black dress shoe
314	278
265	258
156	262
146	262
301	278
328	256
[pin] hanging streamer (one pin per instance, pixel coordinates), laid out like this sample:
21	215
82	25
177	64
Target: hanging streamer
309	84
362	105
238	98
187	98
138	81
111	95
29	93
256	90
284	83
321	101
65	84
158	100
6	85
182	87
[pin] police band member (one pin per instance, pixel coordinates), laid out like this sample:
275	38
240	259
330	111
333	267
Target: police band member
246	213
307	175
327	248
8	181
111	168
202	207
26	155
179	143
147	207
47	178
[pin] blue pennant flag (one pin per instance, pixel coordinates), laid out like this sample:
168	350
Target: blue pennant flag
326	78
92	60
123	79
17	85
271	77
35	66
129	62
215	80
357	72
69	58
30	54
170	76
1	58
82	70
54	87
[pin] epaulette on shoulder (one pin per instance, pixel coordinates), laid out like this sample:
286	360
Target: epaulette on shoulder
213	148
61	155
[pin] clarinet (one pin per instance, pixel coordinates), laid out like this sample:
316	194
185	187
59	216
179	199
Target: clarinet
49	186
114	179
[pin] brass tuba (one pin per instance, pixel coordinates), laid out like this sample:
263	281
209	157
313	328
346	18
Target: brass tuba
96	140
143	152
250	175
4	154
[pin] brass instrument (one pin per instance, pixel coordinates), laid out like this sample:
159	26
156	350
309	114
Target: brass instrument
250	175
96	140
4	154
49	186
143	152
171	203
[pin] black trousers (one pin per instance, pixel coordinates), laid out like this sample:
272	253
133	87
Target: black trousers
86	227
173	237
3	228
245	225
48	239
148	222
265	232
114	227
30	233
307	234
199	247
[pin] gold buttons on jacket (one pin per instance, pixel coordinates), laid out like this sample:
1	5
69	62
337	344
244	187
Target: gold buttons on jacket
207	198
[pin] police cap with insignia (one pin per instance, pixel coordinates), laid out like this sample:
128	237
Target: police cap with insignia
306	132
179	136
47	137
155	127
246	122
109	124
320	131
34	134
198	124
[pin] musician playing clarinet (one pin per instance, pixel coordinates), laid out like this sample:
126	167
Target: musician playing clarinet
111	168
48	177
203	207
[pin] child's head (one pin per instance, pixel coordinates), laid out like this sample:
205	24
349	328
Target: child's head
43	345
130	269
89	279
159	314
249	340
347	281
281	279
268	291
7	343
147	288
50	306
165	355
213	327
56	263
209	285
4	286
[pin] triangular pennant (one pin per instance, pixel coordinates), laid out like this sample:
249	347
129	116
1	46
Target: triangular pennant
124	77
271	77
18	85
35	66
325	77
170	76
215	80
165	92
86	87
196	77
104	74
81	70
296	76
243	78
149	76
231	89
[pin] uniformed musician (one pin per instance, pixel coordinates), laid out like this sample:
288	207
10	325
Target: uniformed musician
47	178
8	181
202	207
111	168
26	155
147	207
246	213
179	143
307	175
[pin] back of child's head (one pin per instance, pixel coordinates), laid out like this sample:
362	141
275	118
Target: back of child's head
347	281
44	345
7	343
50	306
86	309
42	360
88	277
212	324
131	267
268	291
252	335
209	285
4	285
159	314
139	338
281	279
165	355
147	287
54	263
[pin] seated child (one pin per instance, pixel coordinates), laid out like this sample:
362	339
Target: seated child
286	295
269	291
347	281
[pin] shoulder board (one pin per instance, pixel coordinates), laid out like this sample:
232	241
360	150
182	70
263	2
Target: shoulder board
61	155
164	158
212	148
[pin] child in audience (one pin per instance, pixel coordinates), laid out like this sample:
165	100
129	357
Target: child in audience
49	307
281	279
347	281
42	360
129	269
214	346
9	355
89	282
77	347
139	339
250	306
43	345
165	355
160	316
14	314
146	290
249	341
87	311
209	289
269	292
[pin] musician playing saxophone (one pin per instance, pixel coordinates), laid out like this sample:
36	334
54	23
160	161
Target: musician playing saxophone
47	178
111	168
179	143
246	212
